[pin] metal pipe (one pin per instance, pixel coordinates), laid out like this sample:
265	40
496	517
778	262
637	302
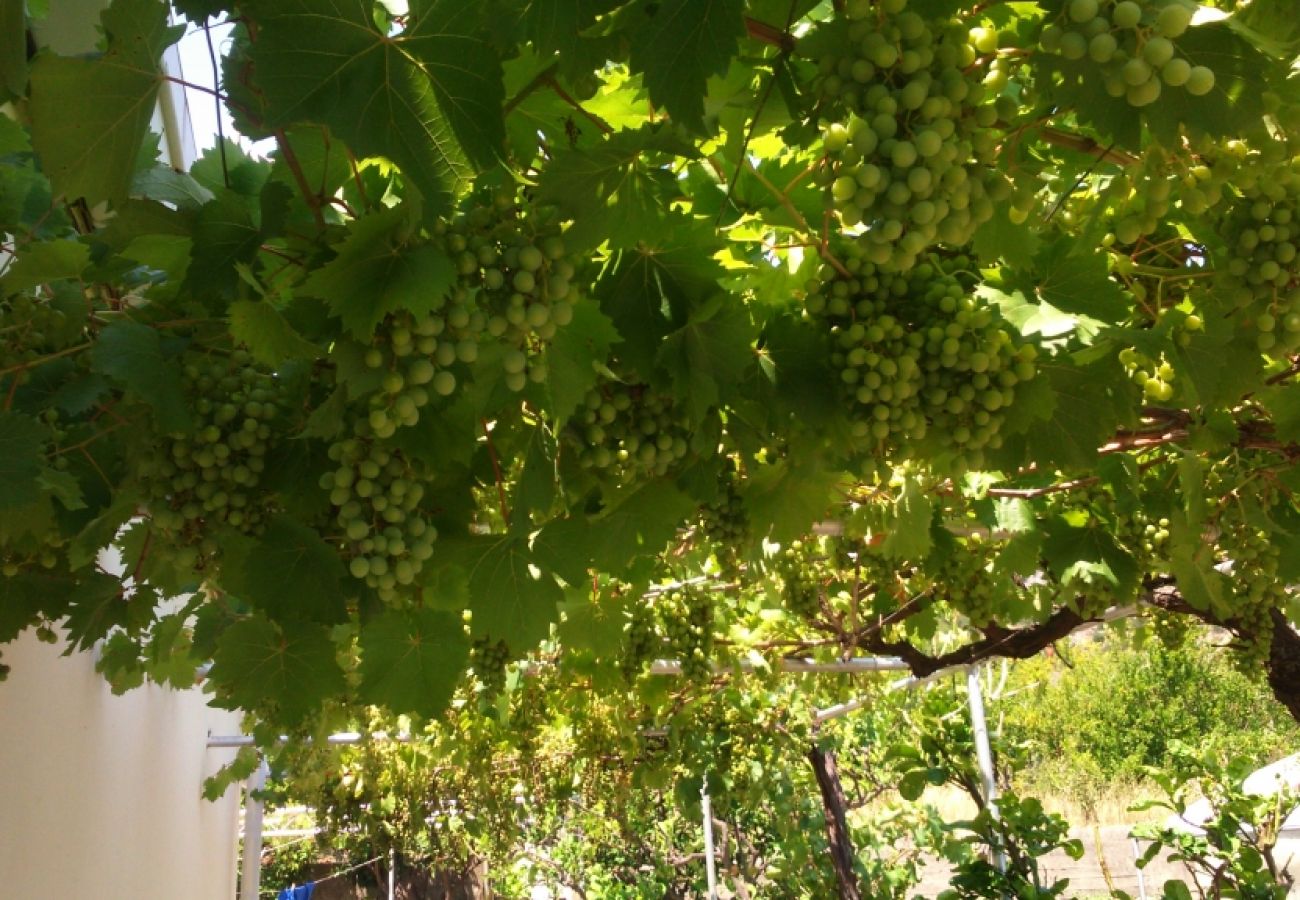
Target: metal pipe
710	865
791	665
392	874
250	882
984	754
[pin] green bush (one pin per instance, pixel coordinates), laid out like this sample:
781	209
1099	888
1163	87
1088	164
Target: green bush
1121	703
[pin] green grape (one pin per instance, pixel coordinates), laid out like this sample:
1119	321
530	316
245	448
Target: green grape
210	478
912	130
927	366
964	580
377	493
801	590
687	617
640	640
1200	81
489	660
625	427
724	521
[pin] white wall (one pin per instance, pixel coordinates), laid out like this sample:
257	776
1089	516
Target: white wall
100	796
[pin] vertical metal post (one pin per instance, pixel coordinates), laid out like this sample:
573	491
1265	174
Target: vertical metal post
1142	882
710	866
983	753
392	874
250	882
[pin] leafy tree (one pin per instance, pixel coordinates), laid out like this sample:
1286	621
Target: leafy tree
595	332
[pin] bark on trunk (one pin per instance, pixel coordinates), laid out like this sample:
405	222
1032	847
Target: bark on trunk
837	829
1283	664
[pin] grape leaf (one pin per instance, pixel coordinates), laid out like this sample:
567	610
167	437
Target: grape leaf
785	498
291	573
612	191
224	236
708	355
375	274
1088	556
1077	282
98	603
259	665
131	355
13	48
90	116
509	599
679	45
908	531
272	340
573	357
44	262
100	531
22	455
428	97
411	660
556	25
641	524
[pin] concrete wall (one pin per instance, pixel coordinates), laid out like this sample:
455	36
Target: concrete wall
100	796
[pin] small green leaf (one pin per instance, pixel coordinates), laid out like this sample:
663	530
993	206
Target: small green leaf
131	355
44	262
411	660
268	336
375	274
22	455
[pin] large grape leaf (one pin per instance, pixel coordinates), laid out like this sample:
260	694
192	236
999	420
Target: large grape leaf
375	274
1076	282
707	357
679	45
614	191
428	97
412	659
44	262
641	524
22	454
1088	555
785	498
90	116
291	573
557	25
909	535
258	665
510	599
131	355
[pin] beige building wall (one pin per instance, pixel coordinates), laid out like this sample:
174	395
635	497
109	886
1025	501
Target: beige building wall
101	796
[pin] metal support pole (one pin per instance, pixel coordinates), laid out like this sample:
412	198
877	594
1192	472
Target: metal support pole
984	753
710	865
392	874
250	882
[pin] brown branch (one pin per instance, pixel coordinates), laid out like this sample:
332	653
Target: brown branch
603	126
291	160
769	34
1081	143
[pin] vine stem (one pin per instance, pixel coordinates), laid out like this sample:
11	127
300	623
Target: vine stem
601	125
291	160
496	471
49	357
822	243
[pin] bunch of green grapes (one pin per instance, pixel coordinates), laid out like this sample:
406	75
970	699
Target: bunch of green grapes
964	580
686	616
514	288
1132	42
629	428
1154	376
488	659
39	543
640	640
32	327
376	491
724	520
1260	276
1172	629
909	159
801	583
211	476
923	362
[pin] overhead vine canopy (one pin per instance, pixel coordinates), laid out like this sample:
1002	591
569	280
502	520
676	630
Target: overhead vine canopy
566	328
